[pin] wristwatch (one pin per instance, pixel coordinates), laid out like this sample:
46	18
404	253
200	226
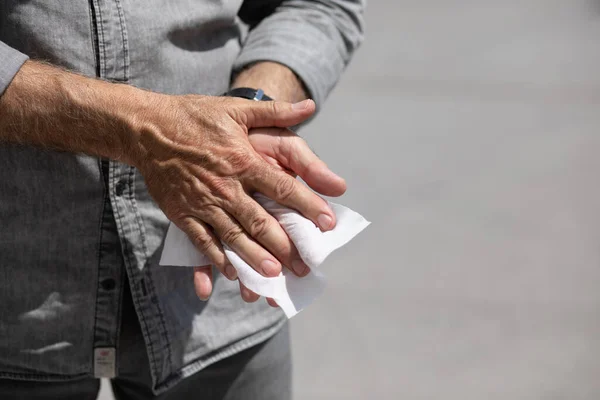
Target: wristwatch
249	93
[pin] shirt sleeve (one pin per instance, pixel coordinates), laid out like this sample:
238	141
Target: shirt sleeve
10	62
314	38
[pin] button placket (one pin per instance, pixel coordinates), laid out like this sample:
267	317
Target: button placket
110	273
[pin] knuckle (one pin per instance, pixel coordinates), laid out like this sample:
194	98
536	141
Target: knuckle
175	212
239	161
240	116
202	241
284	188
297	144
220	262
236	108
259	226
231	235
224	189
276	107
284	250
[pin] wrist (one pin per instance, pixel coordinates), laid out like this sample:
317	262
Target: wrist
107	107
276	80
132	113
138	115
249	93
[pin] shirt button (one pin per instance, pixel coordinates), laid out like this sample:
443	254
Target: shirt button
120	188
108	284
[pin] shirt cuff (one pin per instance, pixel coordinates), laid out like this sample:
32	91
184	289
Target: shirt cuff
305	49
11	61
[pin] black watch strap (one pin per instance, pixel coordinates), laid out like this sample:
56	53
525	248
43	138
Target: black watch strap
249	93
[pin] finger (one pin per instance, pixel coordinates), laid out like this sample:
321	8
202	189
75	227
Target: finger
258	114
311	168
248	295
272	302
207	243
268	232
230	232
294	154
266	142
289	192
203	281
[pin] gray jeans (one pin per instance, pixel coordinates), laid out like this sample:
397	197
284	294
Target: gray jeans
261	372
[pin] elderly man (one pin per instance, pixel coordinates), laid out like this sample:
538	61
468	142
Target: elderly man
112	123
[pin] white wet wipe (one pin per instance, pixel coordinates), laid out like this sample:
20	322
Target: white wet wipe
291	293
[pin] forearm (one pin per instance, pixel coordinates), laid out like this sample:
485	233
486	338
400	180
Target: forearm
48	107
278	81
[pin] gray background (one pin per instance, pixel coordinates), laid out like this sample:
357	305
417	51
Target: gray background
468	132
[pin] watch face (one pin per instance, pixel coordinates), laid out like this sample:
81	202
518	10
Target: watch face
259	94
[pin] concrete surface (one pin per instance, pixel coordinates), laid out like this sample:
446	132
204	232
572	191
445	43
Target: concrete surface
469	133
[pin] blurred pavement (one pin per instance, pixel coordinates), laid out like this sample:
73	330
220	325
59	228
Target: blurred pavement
469	133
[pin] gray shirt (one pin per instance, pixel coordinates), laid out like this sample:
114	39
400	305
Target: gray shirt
71	224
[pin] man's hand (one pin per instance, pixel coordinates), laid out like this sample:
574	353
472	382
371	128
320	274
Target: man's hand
193	152
289	153
201	169
281	148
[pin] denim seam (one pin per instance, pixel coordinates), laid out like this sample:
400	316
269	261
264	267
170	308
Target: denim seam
101	43
100	236
119	314
43	377
125	79
124	40
94	36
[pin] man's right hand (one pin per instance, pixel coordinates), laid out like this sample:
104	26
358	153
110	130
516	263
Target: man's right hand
193	152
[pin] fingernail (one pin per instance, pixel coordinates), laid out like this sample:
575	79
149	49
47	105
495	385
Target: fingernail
299	267
231	272
269	268
324	221
301	105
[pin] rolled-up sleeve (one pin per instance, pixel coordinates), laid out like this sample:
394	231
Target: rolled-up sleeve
10	62
314	38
